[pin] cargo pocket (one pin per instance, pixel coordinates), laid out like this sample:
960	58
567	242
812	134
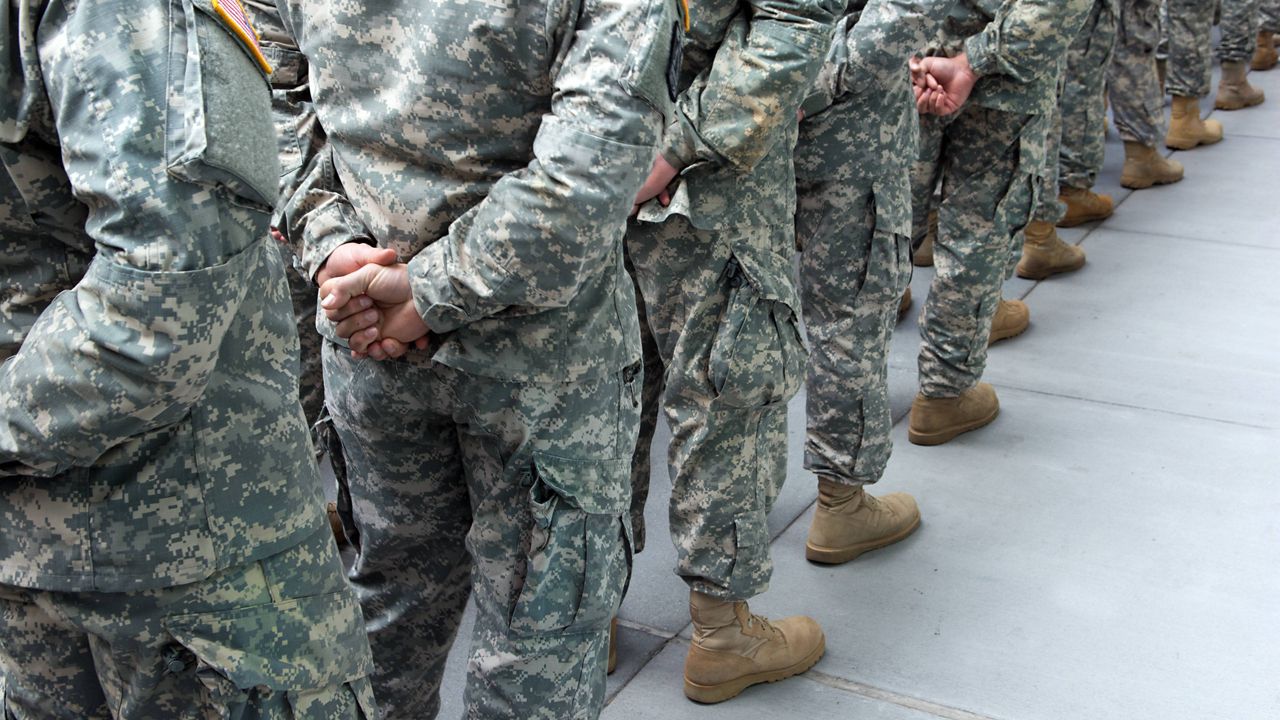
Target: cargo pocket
580	552
218	129
751	567
758	356
311	653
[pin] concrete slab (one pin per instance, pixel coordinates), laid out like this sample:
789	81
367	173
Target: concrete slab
1156	322
657	693
1074	562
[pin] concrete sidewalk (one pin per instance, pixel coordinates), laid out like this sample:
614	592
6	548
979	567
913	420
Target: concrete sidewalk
1109	548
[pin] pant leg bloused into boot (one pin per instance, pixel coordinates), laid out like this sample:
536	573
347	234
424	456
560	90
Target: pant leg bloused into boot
1083	103
1137	104
1190	27
1239	27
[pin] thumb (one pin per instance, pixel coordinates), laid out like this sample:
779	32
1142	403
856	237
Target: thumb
382	256
338	291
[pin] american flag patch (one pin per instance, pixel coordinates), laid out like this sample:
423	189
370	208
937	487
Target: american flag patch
232	12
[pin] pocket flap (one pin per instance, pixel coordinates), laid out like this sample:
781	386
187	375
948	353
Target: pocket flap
309	642
598	487
770	274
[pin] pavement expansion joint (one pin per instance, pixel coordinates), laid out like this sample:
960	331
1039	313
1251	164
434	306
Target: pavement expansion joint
872	692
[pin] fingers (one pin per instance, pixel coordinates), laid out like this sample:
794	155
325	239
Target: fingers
356	323
357	304
337	292
361	341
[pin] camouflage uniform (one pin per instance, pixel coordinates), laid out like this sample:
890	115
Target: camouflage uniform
1076	139
989	157
1189	28
300	139
714	270
497	149
1137	104
1269	16
163	552
853	224
1239	27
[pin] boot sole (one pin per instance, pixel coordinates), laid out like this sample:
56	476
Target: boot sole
941	436
1075	222
1041	276
1001	338
839	556
712	694
1178	144
1236	106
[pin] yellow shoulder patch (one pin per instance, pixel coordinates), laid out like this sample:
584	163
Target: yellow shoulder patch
233	14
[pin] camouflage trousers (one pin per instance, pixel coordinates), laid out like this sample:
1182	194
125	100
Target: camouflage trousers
1137	104
989	163
1269	16
275	639
721	309
515	491
1189	30
853	271
1075	143
1239	28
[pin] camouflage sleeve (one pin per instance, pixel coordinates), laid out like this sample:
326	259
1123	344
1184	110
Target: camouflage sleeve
867	54
159	131
759	75
1027	39
546	228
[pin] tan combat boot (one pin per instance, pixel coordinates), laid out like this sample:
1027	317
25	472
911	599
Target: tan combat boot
1084	205
613	647
937	420
904	304
733	649
923	257
1045	254
1011	320
1186	129
1265	56
1234	90
849	522
1144	167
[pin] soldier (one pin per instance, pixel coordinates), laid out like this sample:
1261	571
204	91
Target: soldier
1189	27
481	162
990	158
853	225
1074	149
163	549
1239	28
1265	56
712	260
1137	102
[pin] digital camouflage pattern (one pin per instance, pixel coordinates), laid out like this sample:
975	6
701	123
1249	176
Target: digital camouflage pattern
1239	28
853	225
1189	31
1269	16
1137	103
1015	46
278	638
497	148
727	332
1075	143
547	466
747	67
152	449
990	160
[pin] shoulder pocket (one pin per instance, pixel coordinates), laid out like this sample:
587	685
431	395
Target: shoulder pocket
218	128
654	59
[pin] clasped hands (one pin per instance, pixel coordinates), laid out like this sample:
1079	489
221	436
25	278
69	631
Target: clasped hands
941	84
366	293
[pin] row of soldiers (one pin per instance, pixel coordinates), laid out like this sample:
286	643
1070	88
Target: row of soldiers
530	229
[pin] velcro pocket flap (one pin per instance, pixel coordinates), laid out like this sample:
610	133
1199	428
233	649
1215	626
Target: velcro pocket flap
309	642
597	487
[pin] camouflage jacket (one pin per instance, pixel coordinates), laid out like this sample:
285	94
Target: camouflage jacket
1017	48
497	147
748	66
150	432
866	79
